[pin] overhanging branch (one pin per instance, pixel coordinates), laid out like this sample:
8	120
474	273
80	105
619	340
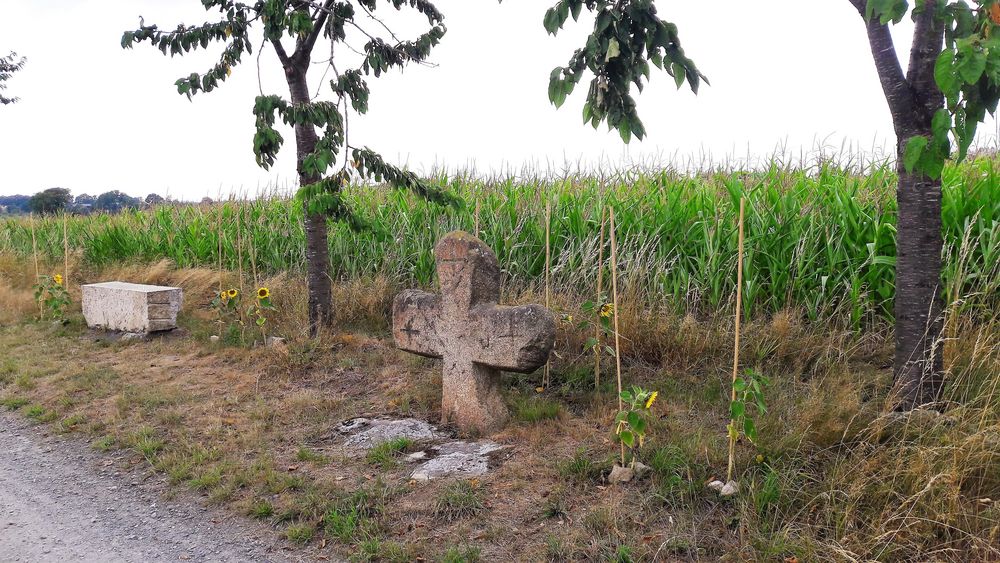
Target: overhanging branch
890	73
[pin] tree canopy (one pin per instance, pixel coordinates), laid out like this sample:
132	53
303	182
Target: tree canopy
9	65
52	200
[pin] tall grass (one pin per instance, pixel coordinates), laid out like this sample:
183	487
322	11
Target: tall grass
821	240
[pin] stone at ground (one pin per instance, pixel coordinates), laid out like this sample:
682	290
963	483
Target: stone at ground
366	433
274	341
441	456
476	337
457	459
620	474
130	307
730	489
724	489
640	469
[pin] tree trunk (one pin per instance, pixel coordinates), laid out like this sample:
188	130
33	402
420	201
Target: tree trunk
918	370
317	246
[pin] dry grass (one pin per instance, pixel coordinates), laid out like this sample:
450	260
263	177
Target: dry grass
840	478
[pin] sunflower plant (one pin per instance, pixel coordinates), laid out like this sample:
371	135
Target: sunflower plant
259	309
51	295
632	421
748	393
227	305
603	312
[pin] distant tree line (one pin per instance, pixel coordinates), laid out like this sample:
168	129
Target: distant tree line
57	200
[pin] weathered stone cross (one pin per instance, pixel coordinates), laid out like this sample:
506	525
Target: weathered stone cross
476	337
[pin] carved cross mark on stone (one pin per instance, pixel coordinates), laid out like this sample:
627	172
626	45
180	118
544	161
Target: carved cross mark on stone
476	337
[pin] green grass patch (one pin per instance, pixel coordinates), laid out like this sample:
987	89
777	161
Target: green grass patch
386	454
458	500
531	410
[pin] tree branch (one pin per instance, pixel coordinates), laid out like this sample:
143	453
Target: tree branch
928	37
890	73
305	47
282	54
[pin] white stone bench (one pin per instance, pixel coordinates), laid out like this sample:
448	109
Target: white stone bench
131	307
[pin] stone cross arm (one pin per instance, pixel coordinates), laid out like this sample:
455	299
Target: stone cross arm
516	339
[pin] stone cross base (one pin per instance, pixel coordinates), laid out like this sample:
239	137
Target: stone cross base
131	307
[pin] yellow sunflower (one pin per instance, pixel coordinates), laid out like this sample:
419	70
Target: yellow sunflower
223	296
58	279
607	309
649	401
233	293
263	293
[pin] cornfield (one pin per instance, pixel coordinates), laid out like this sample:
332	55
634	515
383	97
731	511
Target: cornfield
821	240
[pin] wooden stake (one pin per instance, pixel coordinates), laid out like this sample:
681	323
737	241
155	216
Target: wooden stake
614	300
736	345
476	195
34	245
598	301
548	258
34	253
239	248
65	252
218	226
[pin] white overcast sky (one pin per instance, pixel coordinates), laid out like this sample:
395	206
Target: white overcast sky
787	75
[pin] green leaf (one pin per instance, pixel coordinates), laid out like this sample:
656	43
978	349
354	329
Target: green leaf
736	410
627	438
971	64
614	49
750	429
945	74
914	149
633	419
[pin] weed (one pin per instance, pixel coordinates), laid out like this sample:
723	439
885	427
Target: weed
36	412
312	456
14	403
300	533
581	469
261	509
385	455
104	443
464	554
536	409
458	500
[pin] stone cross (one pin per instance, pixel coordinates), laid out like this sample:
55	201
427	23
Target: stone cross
476	337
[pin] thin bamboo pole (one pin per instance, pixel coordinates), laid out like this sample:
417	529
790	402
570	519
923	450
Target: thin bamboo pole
476	195
65	251
614	300
34	245
599	303
218	226
736	345
239	248
548	261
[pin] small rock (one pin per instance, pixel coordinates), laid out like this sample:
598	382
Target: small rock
274	341
416	456
213	338
640	469
730	489
716	485
620	474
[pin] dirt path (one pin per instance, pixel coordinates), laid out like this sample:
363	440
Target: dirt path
60	501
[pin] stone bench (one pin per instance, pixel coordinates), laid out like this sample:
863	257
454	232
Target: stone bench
131	307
